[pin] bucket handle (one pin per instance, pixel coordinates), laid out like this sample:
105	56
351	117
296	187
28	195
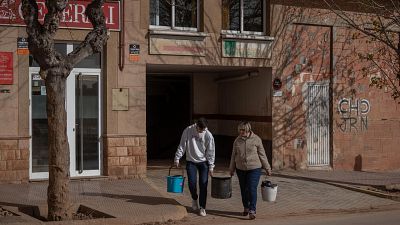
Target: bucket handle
169	171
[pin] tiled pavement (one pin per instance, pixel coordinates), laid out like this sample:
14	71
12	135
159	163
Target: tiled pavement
137	201
295	197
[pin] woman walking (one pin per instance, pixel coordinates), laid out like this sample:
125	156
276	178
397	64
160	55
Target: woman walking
248	159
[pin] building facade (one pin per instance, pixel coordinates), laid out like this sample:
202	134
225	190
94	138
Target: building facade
169	62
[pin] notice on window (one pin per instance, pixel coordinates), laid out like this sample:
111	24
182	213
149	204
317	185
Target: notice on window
6	68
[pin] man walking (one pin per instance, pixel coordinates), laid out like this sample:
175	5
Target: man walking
198	144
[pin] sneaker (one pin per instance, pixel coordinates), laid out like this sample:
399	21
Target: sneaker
202	212
245	212
195	205
252	215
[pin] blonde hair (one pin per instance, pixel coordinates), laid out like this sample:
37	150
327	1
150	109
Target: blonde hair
244	126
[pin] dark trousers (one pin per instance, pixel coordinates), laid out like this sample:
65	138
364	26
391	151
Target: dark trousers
248	181
202	168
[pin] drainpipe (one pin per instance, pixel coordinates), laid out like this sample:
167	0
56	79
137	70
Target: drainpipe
121	38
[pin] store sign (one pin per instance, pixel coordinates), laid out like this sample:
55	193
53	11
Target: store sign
6	68
246	49
73	15
173	46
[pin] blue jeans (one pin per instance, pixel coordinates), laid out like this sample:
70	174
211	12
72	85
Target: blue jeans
248	181
202	168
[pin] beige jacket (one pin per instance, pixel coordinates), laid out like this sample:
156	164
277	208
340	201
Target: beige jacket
248	154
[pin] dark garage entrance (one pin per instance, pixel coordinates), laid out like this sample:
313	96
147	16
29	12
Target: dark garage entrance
168	112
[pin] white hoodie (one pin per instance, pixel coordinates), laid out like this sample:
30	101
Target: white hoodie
199	147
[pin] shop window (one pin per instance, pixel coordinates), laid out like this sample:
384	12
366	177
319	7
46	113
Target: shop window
174	14
92	61
244	16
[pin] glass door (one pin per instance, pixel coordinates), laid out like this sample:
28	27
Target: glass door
83	108
39	166
84	122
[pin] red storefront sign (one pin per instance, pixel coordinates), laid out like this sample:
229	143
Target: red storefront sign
72	17
6	68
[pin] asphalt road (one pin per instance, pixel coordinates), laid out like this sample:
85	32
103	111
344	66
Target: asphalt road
365	218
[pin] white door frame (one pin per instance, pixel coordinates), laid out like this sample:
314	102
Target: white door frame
70	109
71	126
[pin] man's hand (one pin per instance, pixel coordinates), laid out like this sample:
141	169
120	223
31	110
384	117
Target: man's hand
269	172
211	173
232	173
176	164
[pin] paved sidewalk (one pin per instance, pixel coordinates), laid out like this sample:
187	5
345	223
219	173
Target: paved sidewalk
131	201
295	197
380	184
139	201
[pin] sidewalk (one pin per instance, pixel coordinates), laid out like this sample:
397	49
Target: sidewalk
137	201
380	184
132	201
296	196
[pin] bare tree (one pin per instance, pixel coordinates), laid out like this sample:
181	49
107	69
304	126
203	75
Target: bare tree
378	22
54	69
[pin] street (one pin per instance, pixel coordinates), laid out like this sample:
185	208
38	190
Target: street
365	218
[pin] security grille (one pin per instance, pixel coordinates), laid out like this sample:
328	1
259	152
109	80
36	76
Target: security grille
318	125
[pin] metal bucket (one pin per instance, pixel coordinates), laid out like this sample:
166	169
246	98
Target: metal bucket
269	191
221	187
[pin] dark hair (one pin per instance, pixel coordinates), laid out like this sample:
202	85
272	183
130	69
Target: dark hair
201	123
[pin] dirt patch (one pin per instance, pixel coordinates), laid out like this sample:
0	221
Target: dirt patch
82	213
4	212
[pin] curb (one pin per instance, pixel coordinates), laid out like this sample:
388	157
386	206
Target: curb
180	212
345	186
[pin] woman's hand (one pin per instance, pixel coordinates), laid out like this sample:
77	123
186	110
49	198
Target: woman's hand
232	173
269	172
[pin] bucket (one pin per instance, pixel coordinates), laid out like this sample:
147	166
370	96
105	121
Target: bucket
175	183
221	187
269	191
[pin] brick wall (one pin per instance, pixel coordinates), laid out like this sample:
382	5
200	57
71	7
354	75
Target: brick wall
125	157
365	122
14	161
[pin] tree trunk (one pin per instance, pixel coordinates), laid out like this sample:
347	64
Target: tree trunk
58	191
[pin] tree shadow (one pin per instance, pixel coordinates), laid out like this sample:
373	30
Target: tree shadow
31	210
140	199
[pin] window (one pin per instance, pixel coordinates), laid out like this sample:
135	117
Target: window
244	16
174	14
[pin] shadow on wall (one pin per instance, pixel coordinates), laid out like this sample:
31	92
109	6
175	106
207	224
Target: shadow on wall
358	163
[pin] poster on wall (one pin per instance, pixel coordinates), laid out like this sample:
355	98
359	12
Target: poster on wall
6	68
134	51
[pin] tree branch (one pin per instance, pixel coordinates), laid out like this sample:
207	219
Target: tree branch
52	18
95	39
40	39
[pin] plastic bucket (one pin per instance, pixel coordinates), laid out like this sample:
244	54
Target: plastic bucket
175	183
221	187
269	193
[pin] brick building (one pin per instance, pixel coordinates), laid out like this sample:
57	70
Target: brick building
166	64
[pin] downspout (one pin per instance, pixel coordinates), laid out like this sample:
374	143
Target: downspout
331	89
121	38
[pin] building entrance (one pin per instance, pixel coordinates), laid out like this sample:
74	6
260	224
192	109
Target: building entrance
83	107
83	123
168	112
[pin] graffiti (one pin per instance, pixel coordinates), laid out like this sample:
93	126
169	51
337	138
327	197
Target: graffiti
354	114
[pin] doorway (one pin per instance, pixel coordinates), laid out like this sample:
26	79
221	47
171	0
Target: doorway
83	109
168	113
318	125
